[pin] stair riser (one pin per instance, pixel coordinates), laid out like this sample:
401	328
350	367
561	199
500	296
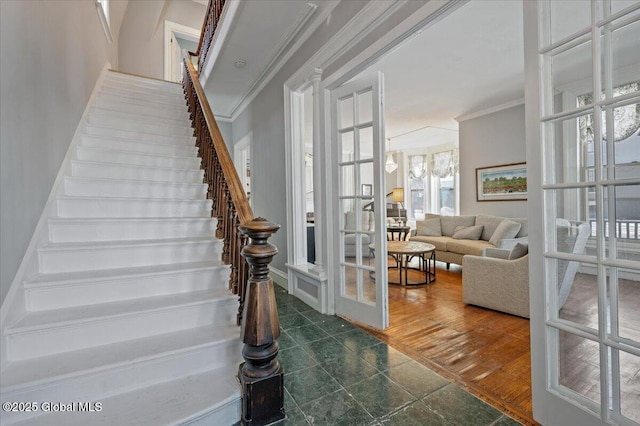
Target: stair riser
123	103
129	377
92	259
125	288
24	345
106	207
115	171
230	413
111	156
183	150
123	230
117	188
141	115
174	99
159	87
137	126
119	133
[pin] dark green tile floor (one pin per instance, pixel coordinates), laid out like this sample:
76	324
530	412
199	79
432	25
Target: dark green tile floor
337	374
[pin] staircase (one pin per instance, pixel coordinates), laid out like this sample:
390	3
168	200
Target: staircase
130	307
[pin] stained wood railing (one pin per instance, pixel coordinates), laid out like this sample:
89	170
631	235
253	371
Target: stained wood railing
211	20
245	248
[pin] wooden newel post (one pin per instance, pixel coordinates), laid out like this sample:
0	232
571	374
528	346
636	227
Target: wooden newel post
261	376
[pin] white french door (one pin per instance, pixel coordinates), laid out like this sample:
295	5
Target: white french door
360	252
583	129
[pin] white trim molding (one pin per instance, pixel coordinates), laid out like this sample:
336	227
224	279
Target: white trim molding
175	28
489	110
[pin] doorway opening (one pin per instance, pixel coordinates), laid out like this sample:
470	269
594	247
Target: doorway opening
178	37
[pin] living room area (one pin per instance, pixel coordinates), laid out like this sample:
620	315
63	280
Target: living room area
455	156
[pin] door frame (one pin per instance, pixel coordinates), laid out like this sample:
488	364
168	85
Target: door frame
173	29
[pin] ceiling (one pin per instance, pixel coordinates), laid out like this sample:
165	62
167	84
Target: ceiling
263	33
469	61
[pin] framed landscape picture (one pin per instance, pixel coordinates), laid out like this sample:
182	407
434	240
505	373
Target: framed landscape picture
502	183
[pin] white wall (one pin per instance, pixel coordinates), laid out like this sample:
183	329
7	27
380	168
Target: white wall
141	45
490	140
52	54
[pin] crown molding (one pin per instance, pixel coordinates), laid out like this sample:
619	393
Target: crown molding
489	110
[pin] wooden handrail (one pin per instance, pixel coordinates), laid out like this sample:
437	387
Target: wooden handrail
244	243
211	19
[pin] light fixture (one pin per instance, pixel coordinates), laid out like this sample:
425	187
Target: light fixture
240	63
398	196
390	166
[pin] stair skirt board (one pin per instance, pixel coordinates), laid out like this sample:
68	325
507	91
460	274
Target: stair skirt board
125	297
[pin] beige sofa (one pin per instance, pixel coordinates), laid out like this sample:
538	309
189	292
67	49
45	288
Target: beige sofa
452	246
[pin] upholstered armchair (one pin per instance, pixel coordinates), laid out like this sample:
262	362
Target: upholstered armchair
497	282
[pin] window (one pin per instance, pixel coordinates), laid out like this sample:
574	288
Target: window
432	180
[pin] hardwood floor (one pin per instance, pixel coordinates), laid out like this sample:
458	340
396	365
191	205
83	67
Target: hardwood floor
485	351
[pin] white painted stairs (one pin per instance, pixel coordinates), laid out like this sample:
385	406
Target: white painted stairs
130	307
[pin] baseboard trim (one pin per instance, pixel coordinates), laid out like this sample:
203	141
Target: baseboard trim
279	277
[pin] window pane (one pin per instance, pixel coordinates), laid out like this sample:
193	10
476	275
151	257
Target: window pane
624	47
345	108
626	142
346	147
350	280
366	174
447	196
366	143
368	285
625	224
571	76
347	180
577	292
574	221
579	365
628	292
629	386
568	17
365	107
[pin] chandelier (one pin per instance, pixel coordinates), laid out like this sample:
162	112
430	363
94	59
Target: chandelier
390	165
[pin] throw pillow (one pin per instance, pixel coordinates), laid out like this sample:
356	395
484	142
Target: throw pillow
429	228
506	229
468	232
449	223
490	224
518	251
524	228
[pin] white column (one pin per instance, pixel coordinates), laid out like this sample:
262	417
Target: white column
318	170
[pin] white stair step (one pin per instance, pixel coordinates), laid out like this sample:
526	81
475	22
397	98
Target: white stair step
143	111
142	115
138	126
147	85
208	398
122	171
114	75
111	132
71	257
109	100
109	86
181	150
95	373
79	186
109	207
62	230
140	159
56	291
43	333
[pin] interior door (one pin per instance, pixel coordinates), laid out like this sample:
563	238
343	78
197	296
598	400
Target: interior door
360	235
583	147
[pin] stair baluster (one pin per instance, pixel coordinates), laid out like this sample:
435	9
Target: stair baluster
261	376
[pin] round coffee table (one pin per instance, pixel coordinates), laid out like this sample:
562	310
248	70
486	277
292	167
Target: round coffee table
403	252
